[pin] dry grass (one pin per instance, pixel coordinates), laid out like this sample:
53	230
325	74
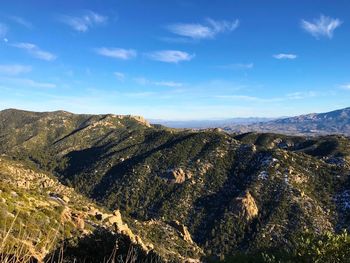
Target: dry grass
21	247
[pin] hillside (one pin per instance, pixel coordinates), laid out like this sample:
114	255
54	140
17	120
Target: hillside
334	122
40	216
219	194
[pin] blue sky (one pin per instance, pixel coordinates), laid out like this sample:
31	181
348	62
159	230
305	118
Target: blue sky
176	59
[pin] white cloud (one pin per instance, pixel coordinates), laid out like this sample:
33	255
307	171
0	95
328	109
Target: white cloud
27	83
285	56
238	66
299	95
291	96
84	22
203	31
321	27
170	56
35	51
21	21
142	81
191	30
170	84
345	86
118	53
220	26
14	69
248	98
119	75
3	30
139	94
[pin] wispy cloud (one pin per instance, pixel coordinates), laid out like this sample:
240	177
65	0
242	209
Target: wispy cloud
139	94
299	95
119	75
84	22
285	56
321	27
119	53
14	69
291	96
25	83
170	84
35	51
178	40
345	86
248	98
21	21
237	66
170	56
3	30
207	30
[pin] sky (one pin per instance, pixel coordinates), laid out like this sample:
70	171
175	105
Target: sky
176	59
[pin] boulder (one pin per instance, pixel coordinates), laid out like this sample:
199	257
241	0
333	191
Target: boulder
116	218
246	206
185	234
177	175
78	220
65	198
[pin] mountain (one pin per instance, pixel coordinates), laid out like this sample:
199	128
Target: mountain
335	122
212	193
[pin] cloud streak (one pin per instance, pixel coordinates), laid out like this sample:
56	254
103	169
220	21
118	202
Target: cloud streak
287	97
170	84
321	27
118	53
35	51
21	21
207	30
285	56
3	30
25	83
345	86
84	22
170	56
248	98
14	69
237	66
119	75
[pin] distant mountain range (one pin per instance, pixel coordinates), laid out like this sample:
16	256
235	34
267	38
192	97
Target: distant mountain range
334	122
204	124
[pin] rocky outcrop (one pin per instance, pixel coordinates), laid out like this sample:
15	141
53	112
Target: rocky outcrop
246	206
116	221
139	119
177	175
116	218
182	229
